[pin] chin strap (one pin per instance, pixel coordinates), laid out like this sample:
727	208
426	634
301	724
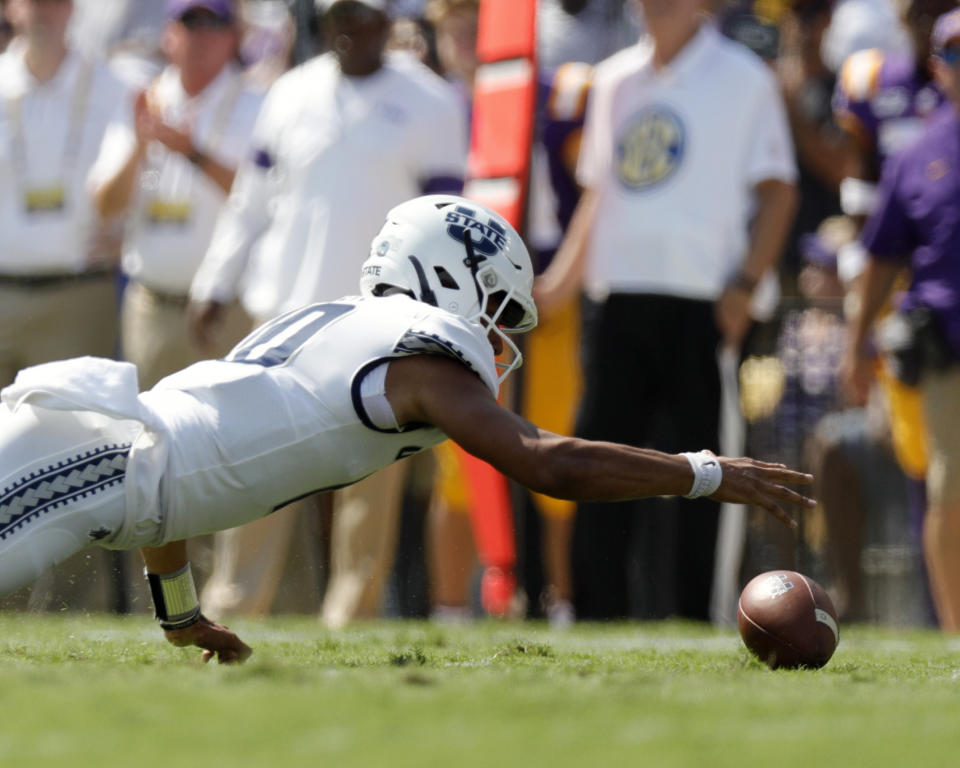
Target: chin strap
427	296
473	262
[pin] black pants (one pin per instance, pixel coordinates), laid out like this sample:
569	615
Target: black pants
651	380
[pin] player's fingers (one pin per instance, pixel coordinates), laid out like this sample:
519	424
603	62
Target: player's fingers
207	655
791	496
230	656
784	474
774	509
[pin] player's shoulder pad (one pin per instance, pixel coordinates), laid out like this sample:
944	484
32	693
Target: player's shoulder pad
860	74
434	331
569	86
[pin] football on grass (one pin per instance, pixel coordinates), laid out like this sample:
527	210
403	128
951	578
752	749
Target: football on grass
787	620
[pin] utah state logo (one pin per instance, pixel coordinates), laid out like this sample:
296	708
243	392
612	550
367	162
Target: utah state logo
488	239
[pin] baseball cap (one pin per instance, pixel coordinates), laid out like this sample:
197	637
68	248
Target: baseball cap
222	8
946	29
378	5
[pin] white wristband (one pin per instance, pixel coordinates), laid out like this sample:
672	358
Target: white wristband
707	474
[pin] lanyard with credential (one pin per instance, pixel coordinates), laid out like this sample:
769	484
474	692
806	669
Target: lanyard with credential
50	198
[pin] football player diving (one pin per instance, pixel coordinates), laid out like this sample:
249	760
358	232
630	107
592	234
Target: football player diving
314	400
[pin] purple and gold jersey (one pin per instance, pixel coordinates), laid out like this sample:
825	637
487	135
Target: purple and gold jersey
564	94
882	99
562	97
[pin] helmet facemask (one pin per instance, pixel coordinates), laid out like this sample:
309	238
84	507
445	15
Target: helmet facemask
502	308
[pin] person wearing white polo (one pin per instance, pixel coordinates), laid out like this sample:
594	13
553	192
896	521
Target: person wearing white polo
57	271
167	165
339	141
56	284
688	170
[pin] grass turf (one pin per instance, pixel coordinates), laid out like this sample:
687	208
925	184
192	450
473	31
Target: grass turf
108	691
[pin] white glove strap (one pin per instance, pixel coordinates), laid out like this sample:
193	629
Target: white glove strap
707	474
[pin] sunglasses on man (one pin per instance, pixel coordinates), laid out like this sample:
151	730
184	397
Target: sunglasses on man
198	20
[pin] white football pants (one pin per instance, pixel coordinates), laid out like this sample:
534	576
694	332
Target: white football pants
61	487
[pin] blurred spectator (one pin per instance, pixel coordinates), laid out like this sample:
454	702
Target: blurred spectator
882	101
914	224
584	30
454	24
57	293
808	86
168	166
268	36
415	36
859	25
339	141
6	29
685	138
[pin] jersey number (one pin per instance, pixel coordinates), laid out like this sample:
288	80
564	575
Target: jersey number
277	341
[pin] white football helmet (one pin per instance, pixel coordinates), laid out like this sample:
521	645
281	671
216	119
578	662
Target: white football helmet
460	256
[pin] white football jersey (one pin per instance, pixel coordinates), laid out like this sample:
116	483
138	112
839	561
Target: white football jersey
283	414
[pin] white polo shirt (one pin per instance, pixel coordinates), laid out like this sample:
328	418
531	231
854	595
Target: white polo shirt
673	155
175	204
332	154
50	134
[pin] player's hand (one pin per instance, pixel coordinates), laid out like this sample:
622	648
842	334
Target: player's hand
215	639
748	481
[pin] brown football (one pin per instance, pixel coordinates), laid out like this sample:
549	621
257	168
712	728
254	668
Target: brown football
787	620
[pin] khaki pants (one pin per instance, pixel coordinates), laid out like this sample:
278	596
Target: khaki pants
941	529
249	561
56	322
156	337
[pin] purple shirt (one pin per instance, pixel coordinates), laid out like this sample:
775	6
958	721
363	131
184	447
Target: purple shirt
917	220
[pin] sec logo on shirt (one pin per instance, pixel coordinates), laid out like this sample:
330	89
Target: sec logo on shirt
650	149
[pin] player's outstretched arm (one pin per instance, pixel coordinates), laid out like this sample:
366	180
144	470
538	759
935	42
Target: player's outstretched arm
178	610
446	394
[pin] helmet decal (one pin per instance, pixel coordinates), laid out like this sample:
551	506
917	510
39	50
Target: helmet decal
488	239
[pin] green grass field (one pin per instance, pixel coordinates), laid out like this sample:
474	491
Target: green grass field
102	691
